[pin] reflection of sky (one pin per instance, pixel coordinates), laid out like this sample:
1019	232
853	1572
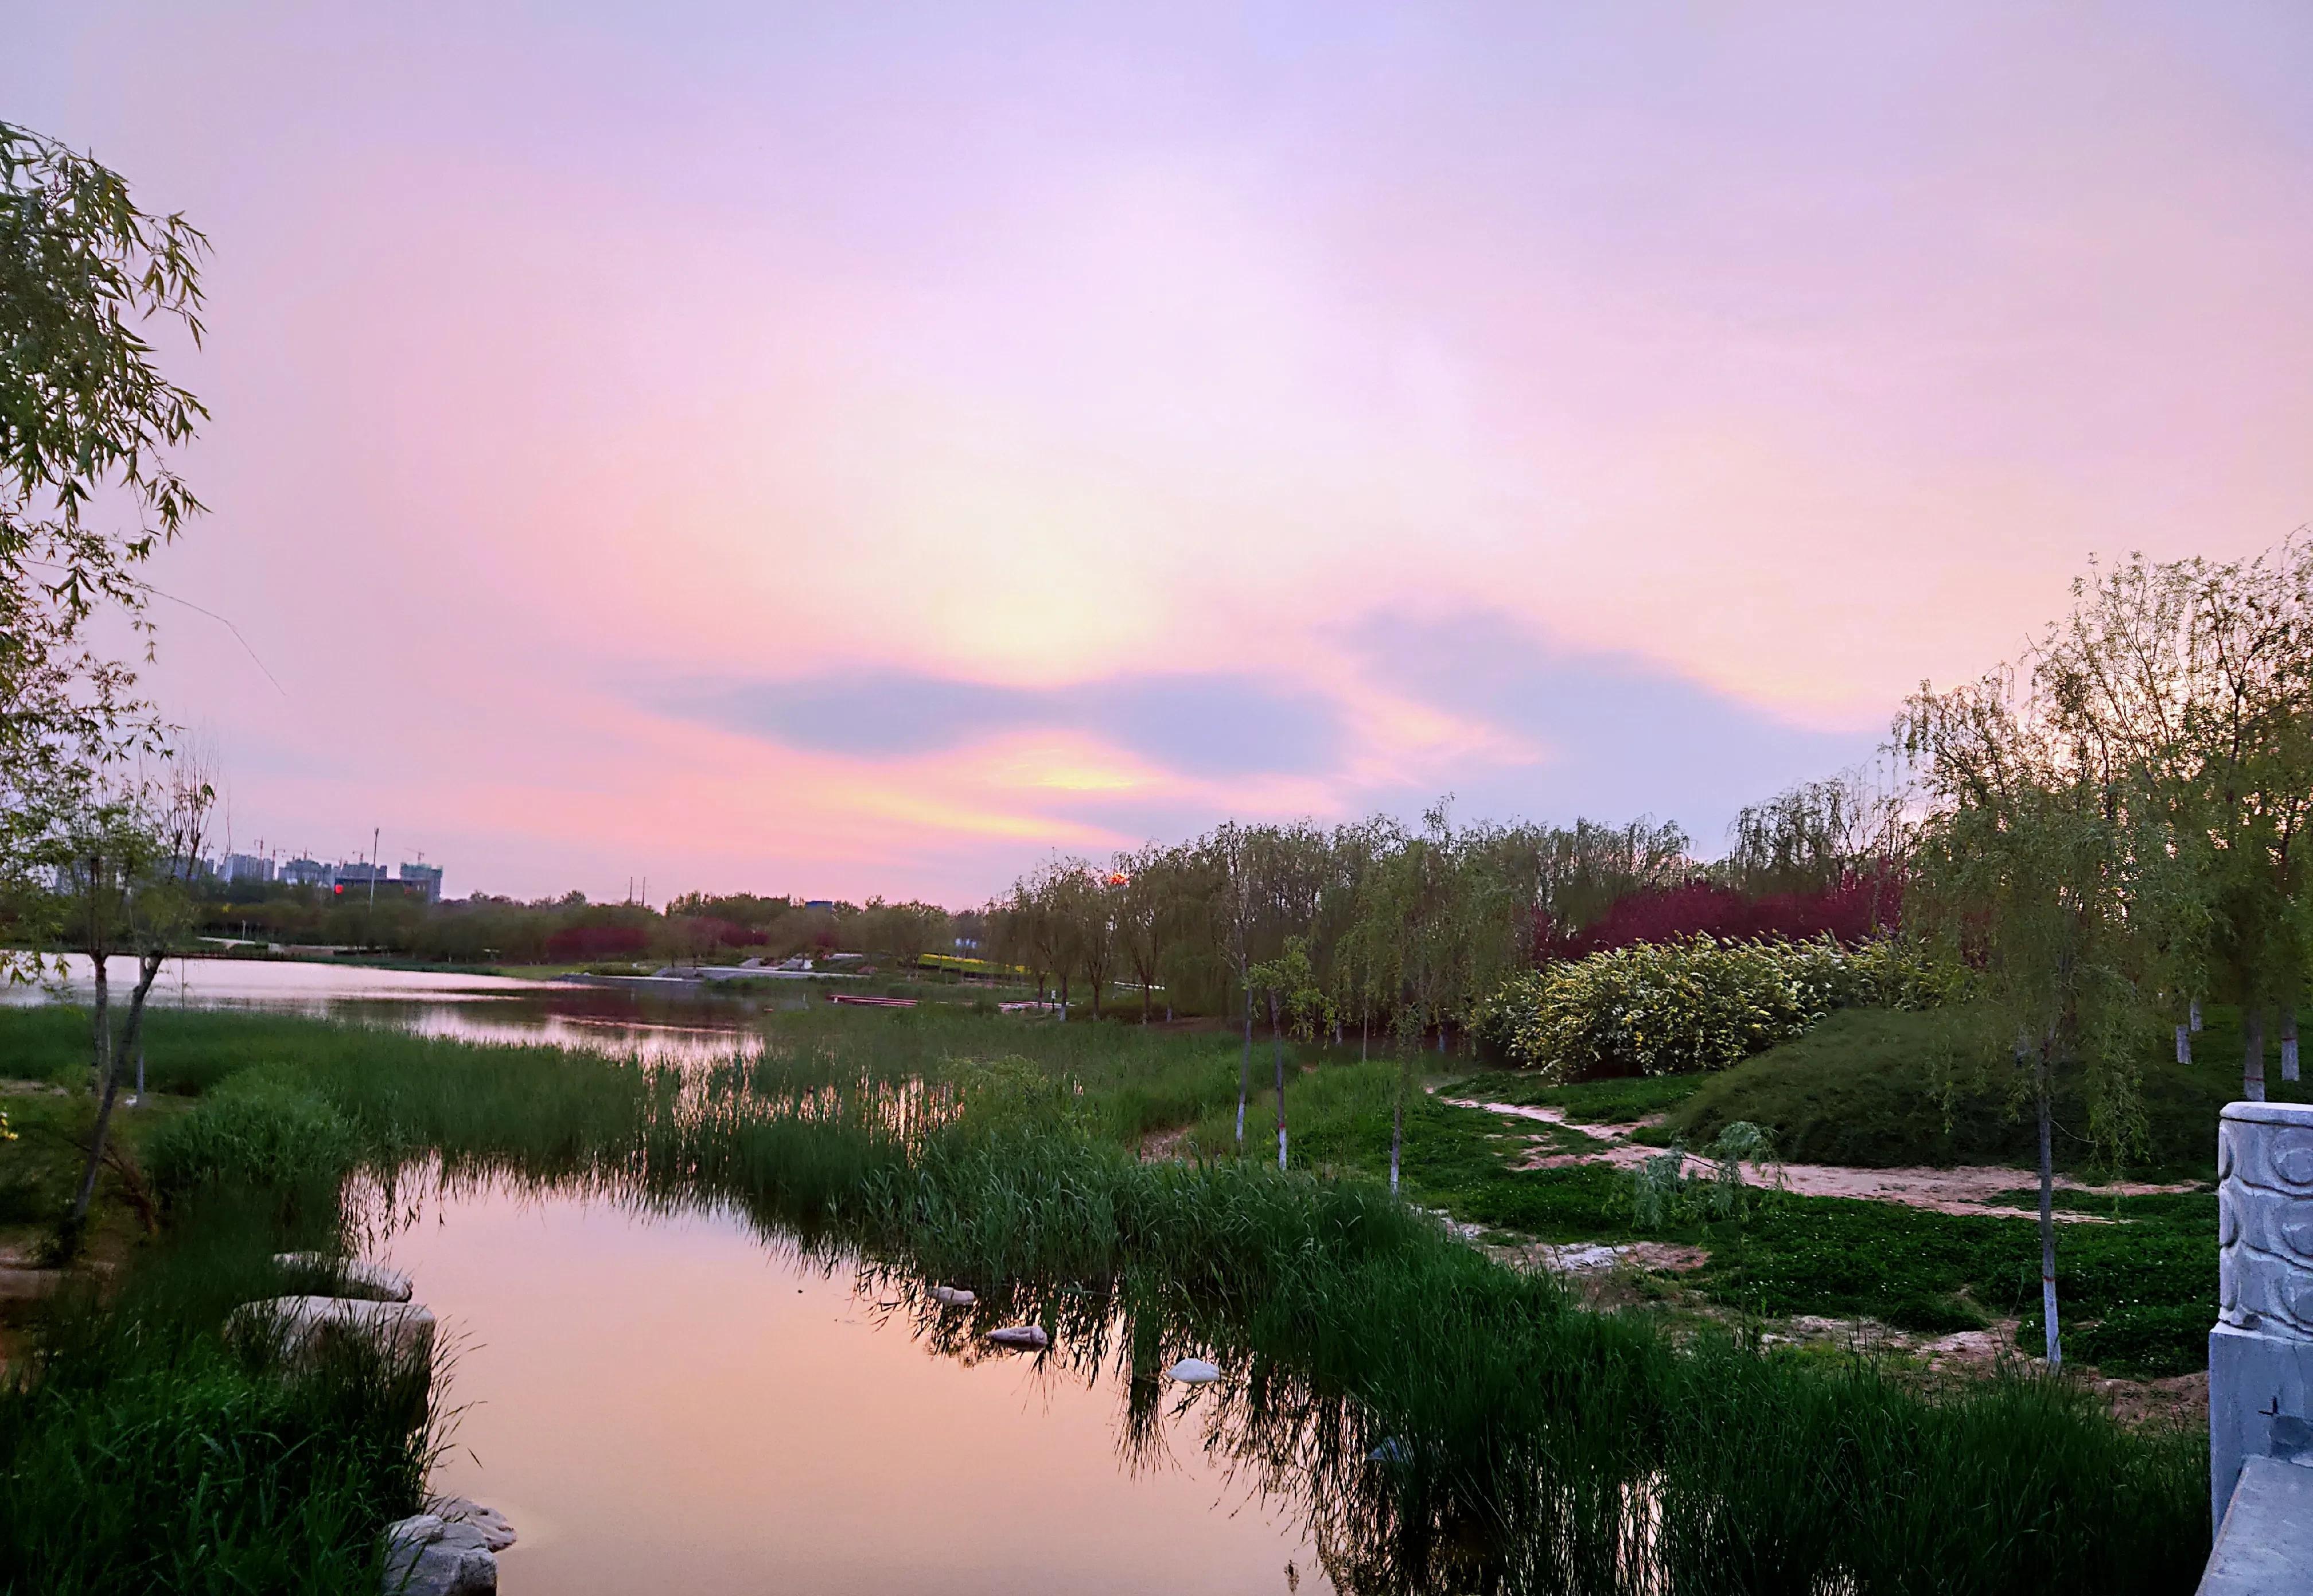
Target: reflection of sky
792	1442
464	1008
847	449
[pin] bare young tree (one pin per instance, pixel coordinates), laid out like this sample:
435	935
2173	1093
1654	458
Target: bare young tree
126	855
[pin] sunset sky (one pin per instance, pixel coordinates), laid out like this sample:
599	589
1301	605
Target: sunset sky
839	449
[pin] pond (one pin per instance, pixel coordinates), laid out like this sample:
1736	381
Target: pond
470	1008
672	1402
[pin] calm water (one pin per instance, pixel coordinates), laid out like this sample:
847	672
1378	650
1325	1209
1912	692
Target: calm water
671	1403
471	1008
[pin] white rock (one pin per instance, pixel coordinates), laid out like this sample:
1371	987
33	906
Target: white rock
352	1276
1195	1371
1577	1258
498	1530
1027	1336
953	1296
427	1556
307	1325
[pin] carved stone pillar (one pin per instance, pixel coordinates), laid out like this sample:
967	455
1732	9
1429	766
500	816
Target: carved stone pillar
2261	1353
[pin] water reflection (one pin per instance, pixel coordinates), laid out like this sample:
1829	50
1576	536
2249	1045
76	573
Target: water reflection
687	1396
493	1009
663	1397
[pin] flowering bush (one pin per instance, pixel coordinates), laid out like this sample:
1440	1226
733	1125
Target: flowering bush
1693	1003
1862	908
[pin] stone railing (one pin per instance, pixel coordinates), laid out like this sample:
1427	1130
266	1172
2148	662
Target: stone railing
2261	1352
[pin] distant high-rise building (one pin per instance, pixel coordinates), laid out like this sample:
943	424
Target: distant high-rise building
423	877
247	867
309	872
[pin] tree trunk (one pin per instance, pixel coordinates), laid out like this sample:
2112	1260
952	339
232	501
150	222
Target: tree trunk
2048	1220
1244	1065
2184	1043
1365	1035
2289	1041
1277	1052
1396	1127
108	1085
2253	1052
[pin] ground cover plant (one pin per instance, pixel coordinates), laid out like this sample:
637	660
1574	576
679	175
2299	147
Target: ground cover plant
1008	1156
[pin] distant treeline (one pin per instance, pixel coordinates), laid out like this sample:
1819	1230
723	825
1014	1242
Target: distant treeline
483	929
1408	930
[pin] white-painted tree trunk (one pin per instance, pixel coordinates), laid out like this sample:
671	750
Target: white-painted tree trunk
1277	1052
2253	1052
2055	1345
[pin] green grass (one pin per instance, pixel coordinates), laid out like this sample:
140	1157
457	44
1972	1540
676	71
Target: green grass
140	1452
1862	1088
1537	1439
1586	1102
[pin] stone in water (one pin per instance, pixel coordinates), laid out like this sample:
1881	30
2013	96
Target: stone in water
427	1557
350	1277
1024	1335
1195	1371
952	1296
306	1327
498	1530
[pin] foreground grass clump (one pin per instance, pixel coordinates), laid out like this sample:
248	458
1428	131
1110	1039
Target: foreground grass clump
140	1452
1449	1423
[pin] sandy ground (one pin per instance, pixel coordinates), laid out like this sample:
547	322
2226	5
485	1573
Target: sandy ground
1964	1190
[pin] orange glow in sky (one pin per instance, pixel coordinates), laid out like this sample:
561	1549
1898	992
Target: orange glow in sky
857	449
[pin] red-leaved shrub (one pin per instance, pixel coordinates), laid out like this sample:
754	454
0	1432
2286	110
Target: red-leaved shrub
1863	904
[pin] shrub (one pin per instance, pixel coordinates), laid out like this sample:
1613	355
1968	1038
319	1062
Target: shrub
259	1127
1663	1190
1859	908
1694	1003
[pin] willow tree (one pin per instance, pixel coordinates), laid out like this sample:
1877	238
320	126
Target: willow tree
2051	876
1235	909
87	423
1296	1002
1424	919
1148	909
2190	685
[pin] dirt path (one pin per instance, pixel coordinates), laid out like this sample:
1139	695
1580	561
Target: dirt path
1964	1190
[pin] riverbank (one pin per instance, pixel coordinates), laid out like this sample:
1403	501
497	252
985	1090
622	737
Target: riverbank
1462	1422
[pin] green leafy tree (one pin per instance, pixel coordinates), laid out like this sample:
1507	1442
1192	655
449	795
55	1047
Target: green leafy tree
87	422
2053	877
1296	1003
125	856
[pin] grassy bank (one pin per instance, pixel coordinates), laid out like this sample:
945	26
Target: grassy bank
140	1452
1524	1441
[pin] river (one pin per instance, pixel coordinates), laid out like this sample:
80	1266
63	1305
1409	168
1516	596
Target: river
435	1003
